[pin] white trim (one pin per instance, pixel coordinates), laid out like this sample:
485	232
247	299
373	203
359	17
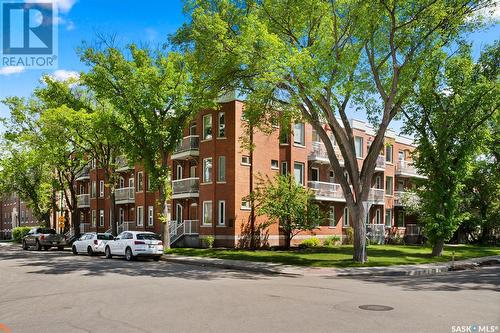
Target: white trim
345	217
203	214
317	169
140	182
223	202
139	217
205	181
203	127
101	189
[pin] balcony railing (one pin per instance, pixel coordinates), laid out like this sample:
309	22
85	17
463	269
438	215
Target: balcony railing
83	200
413	230
83	174
398	197
125	195
376	195
189	146
326	191
185	188
318	153
406	168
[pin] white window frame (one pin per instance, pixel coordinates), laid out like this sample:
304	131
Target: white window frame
140	181
93	189
302	165
389	190
299	138
139	218
101	188
389	157
221	214
378	217
101	217
245	160
358	140
206	179
221	169
204	222
312	173
221	127
378	182
275	165
284	168
245	204
178	171
207	128
345	218
388	212
331	217
93	218
122	182
150	216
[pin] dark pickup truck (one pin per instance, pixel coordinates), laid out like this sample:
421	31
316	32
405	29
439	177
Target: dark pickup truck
43	238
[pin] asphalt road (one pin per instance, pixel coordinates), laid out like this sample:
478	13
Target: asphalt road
58	292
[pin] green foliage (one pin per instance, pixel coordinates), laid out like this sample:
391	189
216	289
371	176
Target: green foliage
19	232
332	240
310	242
349	235
290	203
208	241
448	116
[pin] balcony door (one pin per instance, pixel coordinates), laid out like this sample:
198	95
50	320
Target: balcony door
193	211
192	171
178	213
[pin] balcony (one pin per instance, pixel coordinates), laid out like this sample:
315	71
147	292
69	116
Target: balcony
326	191
318	154
186	188
380	164
122	164
83	200
125	195
376	196
407	169
84	174
398	197
188	147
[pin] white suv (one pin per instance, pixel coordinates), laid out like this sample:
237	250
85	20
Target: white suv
131	244
91	243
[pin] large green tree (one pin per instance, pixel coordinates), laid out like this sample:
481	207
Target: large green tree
454	100
154	96
315	60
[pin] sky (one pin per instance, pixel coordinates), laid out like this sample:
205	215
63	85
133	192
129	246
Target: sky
149	22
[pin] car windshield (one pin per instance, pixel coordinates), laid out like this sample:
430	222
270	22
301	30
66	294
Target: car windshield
47	231
148	236
105	236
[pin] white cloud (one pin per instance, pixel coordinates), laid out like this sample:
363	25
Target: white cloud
64	75
492	12
63	6
8	70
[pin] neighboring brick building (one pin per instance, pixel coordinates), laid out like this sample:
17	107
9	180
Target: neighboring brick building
14	213
210	179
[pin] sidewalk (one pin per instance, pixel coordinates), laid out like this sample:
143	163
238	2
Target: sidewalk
272	268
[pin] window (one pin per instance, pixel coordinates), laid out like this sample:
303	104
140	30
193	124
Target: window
94	189
378	182
101	188
275	164
192	129
150	215
82	217
358	146
121	215
377	217
388	217
207	127
245	160
401	155
149	184
345	218
346	176
122	182
388	185
221	171
140	182
101	218
331	216
207	212
401	219
388	153
221	219
82	189
298	172
93	218
315	136
283	137
178	172
315	174
245	204
298	134
331	177
222	125
284	168
207	170
178	213
140	216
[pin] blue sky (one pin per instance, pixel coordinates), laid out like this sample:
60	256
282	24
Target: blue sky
129	21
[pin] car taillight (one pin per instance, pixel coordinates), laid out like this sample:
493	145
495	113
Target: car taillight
95	241
42	237
160	243
139	242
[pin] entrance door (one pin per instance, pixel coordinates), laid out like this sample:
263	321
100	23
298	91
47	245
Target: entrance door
193	211
178	213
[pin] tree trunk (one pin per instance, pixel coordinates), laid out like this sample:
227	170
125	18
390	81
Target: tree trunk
288	240
359	244
437	249
165	230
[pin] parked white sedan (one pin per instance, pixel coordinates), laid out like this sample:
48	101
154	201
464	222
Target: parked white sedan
91	243
132	244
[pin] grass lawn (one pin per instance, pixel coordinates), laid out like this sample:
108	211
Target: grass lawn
378	255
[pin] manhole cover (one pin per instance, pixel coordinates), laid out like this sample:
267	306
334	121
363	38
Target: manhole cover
375	307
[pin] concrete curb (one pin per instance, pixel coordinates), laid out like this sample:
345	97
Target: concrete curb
271	268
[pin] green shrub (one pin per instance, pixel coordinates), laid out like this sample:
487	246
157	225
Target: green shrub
19	232
350	235
310	242
208	241
332	240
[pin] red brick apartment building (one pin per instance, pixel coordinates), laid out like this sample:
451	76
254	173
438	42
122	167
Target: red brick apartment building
210	180
14	213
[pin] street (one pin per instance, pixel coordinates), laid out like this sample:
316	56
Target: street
57	292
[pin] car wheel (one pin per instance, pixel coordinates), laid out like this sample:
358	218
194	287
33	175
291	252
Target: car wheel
38	247
157	258
107	252
73	249
25	246
90	252
128	254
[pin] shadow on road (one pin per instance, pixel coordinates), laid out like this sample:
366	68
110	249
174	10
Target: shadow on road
487	278
63	262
